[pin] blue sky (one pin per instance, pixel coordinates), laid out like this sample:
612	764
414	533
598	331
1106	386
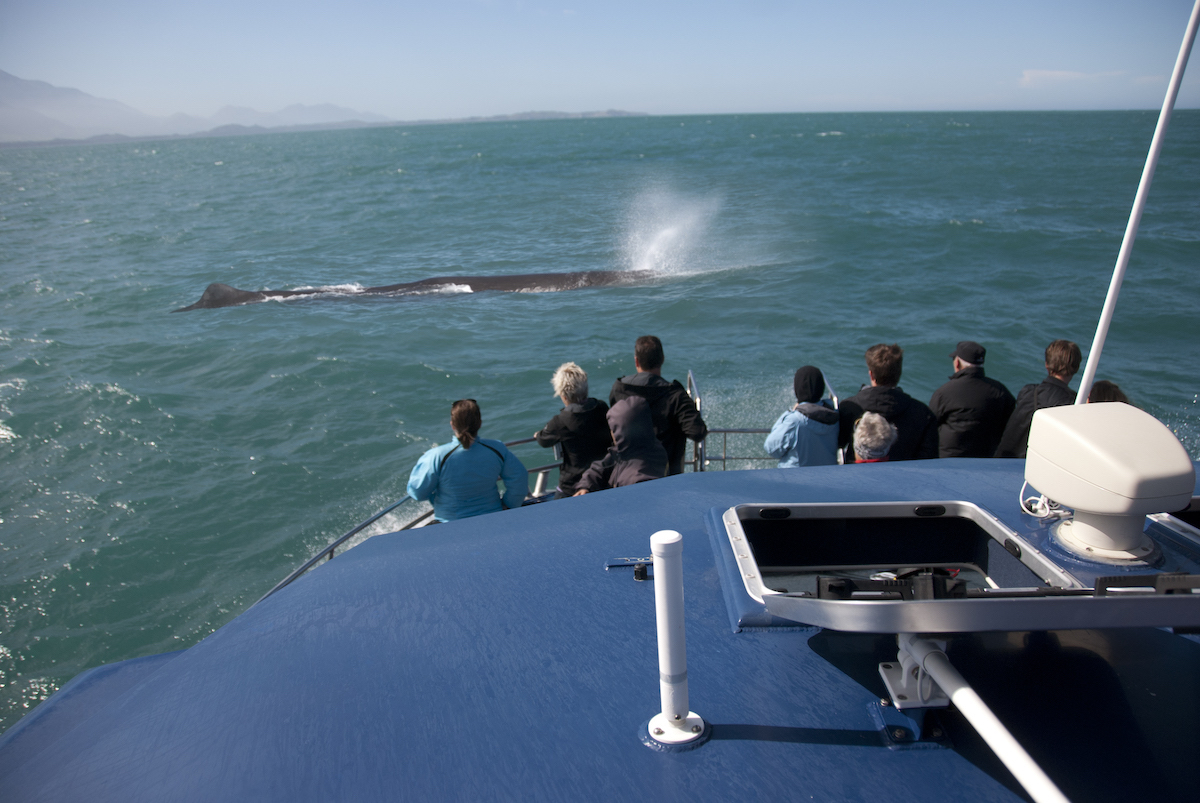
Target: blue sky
457	58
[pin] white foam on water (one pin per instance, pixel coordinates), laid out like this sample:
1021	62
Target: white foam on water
353	288
445	289
349	289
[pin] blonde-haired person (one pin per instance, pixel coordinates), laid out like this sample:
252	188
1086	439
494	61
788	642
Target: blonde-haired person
873	438
459	478
580	428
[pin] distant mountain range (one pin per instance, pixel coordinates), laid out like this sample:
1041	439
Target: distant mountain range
35	111
38	112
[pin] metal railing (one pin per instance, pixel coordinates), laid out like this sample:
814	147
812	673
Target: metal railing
698	460
539	485
725	457
328	552
701	459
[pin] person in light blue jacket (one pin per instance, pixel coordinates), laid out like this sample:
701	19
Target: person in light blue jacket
807	434
459	477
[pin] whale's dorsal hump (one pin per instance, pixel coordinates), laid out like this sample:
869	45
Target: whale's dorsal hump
222	295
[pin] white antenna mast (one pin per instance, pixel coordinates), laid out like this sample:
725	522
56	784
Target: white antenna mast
1135	215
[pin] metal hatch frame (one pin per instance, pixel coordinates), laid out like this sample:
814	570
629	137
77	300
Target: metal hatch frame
1073	607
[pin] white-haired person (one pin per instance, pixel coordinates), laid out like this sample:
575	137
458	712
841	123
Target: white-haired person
580	428
874	436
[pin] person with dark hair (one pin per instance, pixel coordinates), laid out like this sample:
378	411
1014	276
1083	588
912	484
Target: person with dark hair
918	436
1105	391
1062	362
971	409
805	435
674	413
459	478
580	429
636	454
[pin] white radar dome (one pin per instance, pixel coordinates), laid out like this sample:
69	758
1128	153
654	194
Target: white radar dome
1113	464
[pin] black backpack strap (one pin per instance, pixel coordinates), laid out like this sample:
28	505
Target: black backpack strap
446	457
494	450
481	443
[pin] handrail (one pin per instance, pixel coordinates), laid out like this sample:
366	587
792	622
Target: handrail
725	433
328	551
699	454
700	458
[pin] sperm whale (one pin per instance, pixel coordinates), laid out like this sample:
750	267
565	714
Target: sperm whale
222	295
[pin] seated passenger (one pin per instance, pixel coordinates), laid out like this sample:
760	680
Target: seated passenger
873	438
914	421
459	477
1105	391
1062	362
636	454
807	434
580	428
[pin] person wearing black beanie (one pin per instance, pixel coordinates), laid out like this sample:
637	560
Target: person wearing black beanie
806	435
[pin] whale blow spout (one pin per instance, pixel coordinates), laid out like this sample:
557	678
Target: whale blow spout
222	295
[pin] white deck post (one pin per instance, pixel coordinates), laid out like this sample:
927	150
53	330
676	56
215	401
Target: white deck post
675	724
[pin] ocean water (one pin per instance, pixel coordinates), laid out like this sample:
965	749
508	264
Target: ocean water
161	472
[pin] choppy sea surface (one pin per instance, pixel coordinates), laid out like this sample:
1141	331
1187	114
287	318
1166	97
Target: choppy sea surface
160	472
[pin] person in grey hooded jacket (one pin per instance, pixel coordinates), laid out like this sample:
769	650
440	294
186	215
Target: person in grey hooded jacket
807	434
636	454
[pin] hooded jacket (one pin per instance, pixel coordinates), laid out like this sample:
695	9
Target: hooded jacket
635	456
917	427
674	414
805	436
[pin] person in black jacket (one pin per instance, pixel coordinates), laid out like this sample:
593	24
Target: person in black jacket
971	409
918	437
1062	362
581	428
674	414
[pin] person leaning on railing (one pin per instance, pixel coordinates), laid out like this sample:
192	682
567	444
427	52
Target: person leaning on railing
459	478
580	428
674	413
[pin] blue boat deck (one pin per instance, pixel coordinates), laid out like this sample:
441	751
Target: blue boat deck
497	658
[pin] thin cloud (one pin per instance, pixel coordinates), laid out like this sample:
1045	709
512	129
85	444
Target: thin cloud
1038	78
